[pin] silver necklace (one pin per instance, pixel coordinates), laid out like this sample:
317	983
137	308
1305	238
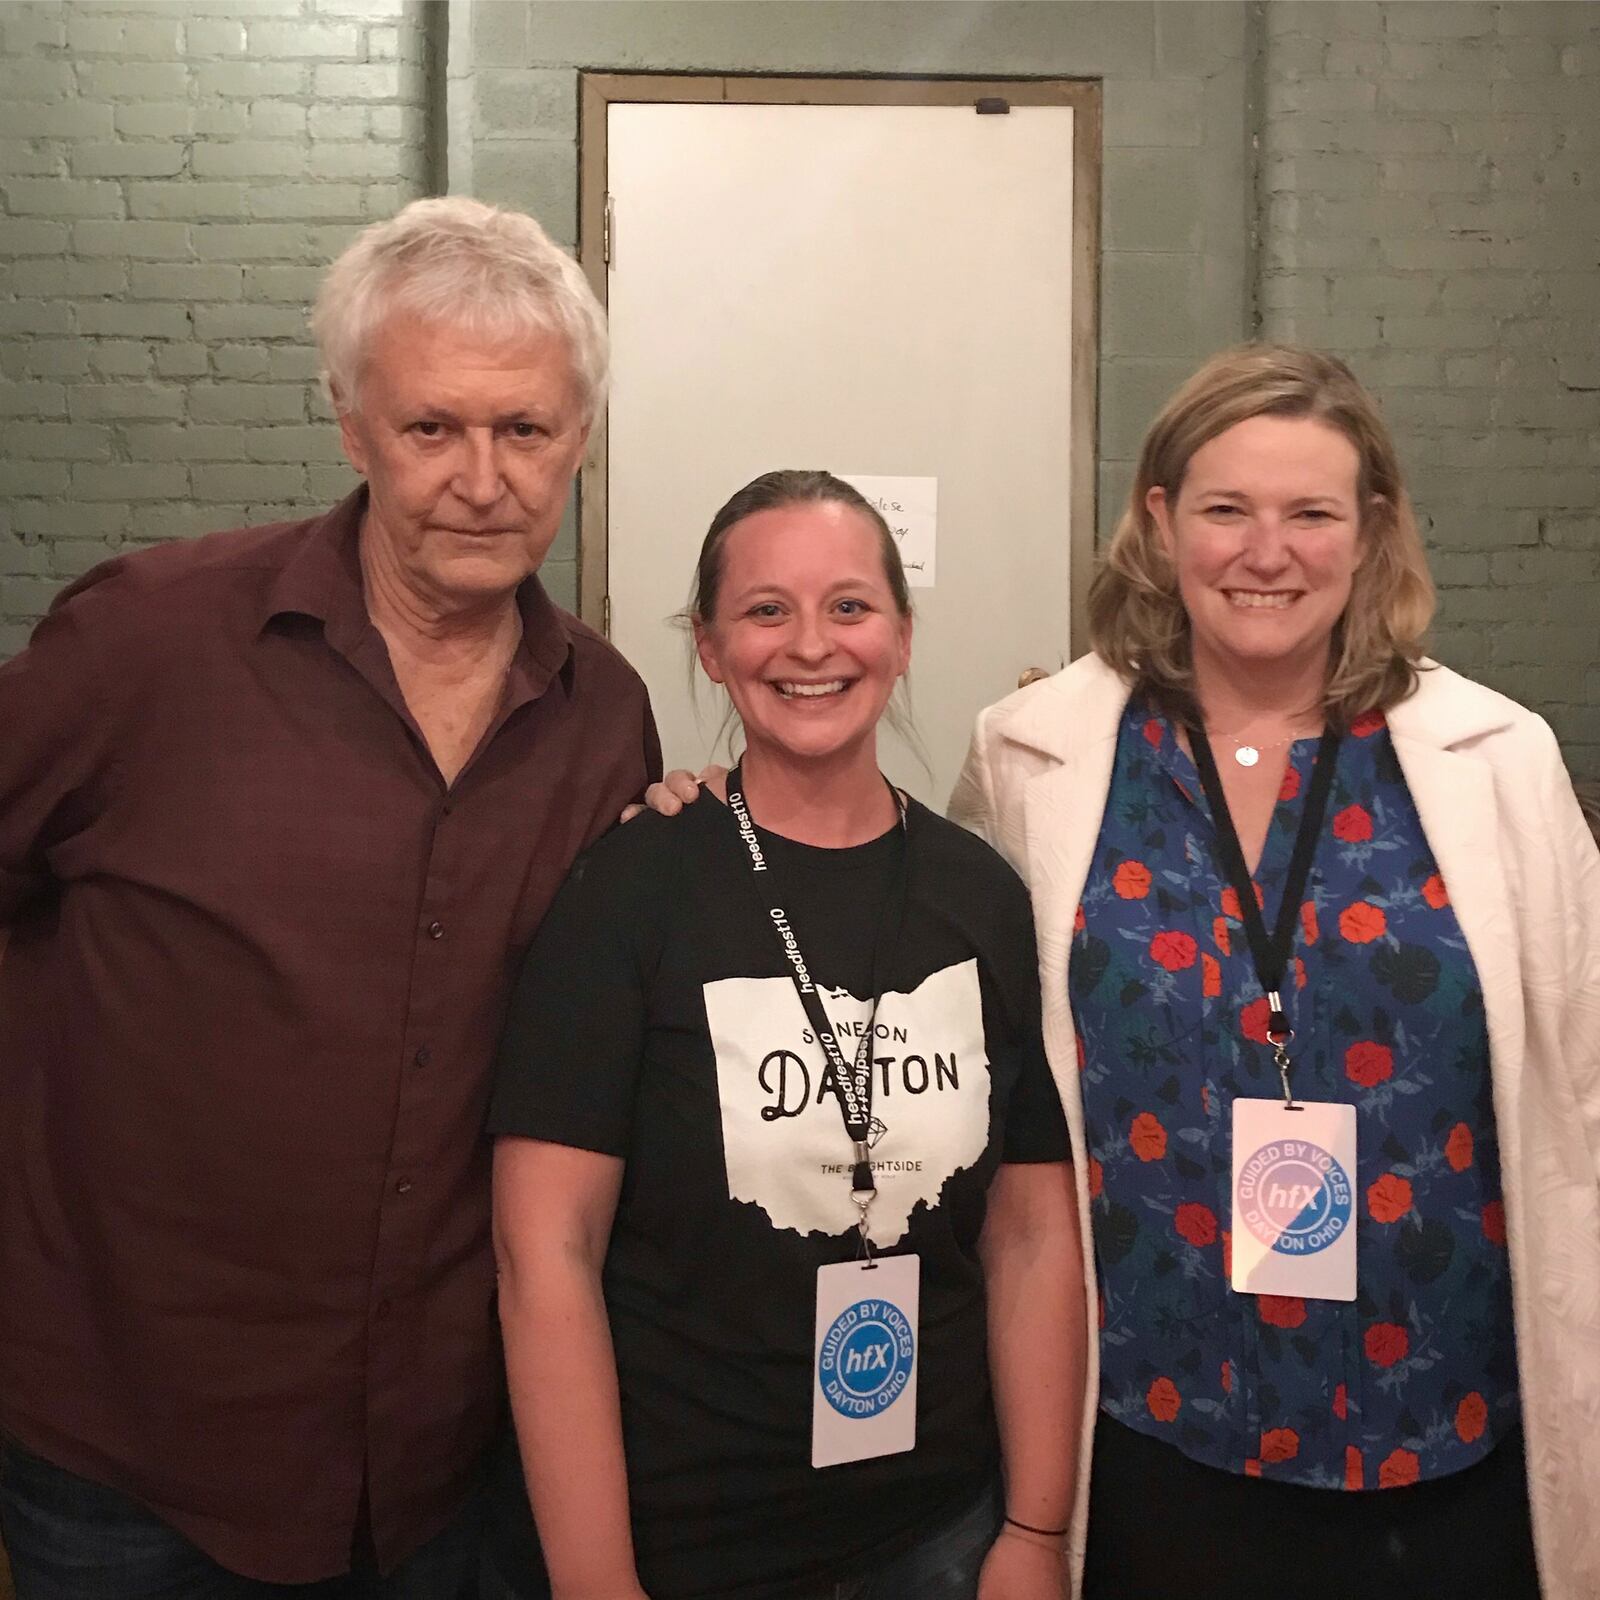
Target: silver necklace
1247	755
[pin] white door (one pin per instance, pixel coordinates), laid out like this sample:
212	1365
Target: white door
873	289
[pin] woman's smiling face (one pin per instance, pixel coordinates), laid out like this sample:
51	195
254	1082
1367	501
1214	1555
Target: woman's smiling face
807	639
1265	533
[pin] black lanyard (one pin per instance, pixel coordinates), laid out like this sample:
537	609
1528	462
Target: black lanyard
1271	956
852	1079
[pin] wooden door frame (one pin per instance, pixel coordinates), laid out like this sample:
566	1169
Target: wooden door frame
600	90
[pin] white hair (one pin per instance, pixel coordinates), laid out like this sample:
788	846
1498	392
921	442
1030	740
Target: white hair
467	265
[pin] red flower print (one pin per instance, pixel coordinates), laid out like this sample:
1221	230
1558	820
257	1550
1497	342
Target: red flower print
1083	1055
1353	825
1281	1310
1290	786
1362	922
1172	950
1253	1020
1397	1470
1435	893
1494	1222
1163	1399
1102	1308
1299	973
1152	733
1458	1148
1097	1178
1308	921
1196	1223
1148	1137
1252	1468
1131	880
1079	921
1219	935
1472	1417
1280	1444
1210	977
1227	1377
1354	1474
1368	1063
1366	724
1389	1198
1387	1343
1230	900
1341	1402
1227	1254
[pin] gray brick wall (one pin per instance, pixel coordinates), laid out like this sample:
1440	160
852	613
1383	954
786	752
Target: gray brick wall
1430	211
174	177
1409	183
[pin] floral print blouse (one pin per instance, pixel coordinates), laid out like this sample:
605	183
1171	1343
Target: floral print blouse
1417	1377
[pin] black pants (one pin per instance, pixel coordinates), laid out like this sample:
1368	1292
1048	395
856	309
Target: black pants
1163	1527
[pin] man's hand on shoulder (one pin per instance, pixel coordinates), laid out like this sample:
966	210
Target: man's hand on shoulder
679	788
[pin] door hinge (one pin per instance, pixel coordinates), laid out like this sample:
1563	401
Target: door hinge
608	240
605	615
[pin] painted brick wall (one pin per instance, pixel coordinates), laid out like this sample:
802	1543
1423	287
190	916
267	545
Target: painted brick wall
1430	192
1423	199
1177	279
174	178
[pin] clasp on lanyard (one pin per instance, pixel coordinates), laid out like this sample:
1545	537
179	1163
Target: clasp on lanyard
863	1191
1279	1033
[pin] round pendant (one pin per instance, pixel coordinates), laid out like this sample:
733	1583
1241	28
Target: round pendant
1247	755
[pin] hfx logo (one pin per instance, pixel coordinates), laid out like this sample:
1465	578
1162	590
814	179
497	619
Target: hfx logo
1295	1197
865	1362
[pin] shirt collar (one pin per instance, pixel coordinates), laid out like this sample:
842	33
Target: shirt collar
322	579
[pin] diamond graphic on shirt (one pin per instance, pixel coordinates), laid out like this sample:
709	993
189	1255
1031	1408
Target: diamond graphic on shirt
782	1132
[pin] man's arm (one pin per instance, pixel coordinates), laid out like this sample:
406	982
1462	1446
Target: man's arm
553	1209
56	723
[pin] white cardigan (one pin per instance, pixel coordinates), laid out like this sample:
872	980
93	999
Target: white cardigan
1524	879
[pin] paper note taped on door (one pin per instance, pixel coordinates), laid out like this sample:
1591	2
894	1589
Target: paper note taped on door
911	508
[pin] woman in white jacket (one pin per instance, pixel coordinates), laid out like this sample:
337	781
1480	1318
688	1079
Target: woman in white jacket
1341	1166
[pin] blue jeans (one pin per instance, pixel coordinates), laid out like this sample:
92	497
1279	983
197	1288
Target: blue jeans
943	1566
71	1539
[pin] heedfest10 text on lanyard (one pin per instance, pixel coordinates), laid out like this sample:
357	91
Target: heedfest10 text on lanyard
864	1360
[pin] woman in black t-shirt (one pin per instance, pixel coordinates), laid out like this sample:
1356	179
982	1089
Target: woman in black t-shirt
789	1264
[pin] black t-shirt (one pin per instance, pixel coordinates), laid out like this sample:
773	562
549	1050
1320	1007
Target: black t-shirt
656	1020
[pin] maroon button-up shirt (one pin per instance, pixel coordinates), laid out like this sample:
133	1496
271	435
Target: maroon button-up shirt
258	963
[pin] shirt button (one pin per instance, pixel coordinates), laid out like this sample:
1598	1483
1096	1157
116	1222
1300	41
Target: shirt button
403	1186
423	1056
436	930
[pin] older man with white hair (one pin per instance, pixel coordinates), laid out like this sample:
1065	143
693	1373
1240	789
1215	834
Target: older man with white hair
279	809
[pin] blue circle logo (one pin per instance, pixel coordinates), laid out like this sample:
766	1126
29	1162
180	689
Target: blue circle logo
1295	1197
865	1361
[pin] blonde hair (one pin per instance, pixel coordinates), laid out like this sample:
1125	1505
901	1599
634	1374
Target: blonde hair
1137	620
476	267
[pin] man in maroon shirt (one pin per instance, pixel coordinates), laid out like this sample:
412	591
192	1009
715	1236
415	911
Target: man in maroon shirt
279	810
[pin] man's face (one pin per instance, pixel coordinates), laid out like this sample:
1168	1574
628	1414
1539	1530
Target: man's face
468	446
